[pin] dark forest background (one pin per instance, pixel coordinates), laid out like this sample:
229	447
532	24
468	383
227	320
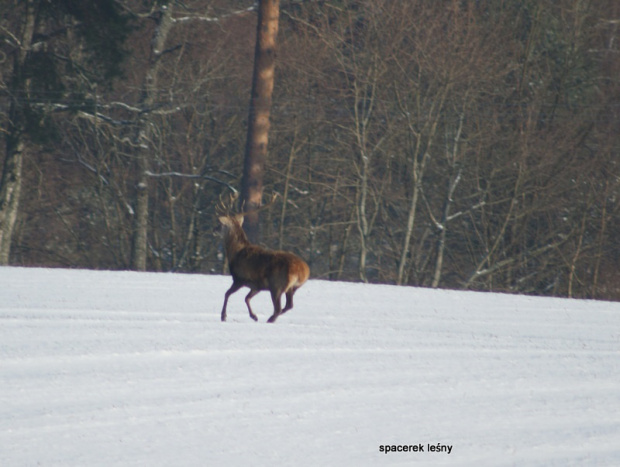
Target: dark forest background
456	144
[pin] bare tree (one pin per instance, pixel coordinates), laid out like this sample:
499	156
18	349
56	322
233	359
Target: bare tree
144	143
10	184
37	86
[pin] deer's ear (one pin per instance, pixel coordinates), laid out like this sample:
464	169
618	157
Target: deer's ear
224	220
239	218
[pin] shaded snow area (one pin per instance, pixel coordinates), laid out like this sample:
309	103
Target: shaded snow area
123	368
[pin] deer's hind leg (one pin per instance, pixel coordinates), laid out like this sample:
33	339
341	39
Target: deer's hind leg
289	300
277	306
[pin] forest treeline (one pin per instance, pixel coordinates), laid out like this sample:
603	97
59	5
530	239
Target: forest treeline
456	144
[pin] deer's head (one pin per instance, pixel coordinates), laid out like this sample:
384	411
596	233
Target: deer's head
231	220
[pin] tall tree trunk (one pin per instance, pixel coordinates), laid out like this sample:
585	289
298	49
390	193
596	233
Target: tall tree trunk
10	189
144	141
287	182
443	227
10	183
455	178
260	108
418	166
139	244
417	173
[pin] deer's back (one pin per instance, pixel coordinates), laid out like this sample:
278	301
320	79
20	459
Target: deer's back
261	268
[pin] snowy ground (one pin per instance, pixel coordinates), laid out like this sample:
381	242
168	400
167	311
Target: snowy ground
109	368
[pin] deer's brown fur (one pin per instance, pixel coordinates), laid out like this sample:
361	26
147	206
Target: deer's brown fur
259	268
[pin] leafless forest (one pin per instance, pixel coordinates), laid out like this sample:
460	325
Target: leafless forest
456	144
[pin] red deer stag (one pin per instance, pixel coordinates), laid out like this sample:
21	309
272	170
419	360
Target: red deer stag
258	268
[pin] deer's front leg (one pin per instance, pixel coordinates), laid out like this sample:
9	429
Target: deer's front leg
247	302
229	292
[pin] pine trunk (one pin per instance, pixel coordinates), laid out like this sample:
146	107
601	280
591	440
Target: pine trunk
260	108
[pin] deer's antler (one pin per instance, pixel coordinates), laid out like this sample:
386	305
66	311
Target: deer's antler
274	196
226	207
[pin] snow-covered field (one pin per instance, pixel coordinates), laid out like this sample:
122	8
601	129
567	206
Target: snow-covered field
122	368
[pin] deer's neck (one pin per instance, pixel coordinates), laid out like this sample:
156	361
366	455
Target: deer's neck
235	240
